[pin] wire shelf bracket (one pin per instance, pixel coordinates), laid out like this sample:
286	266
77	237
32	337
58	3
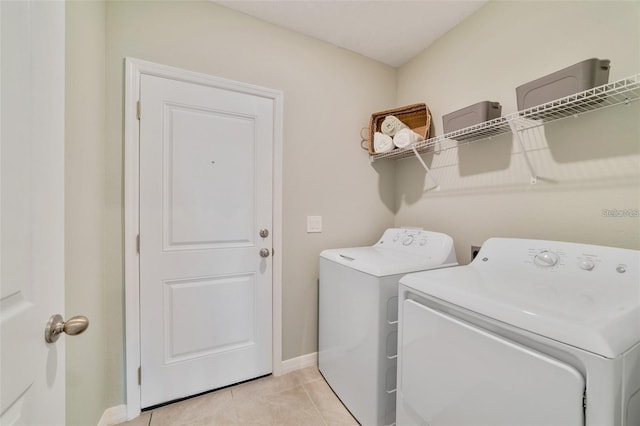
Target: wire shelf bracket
516	134
415	151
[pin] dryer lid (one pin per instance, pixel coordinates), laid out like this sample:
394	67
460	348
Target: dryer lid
582	295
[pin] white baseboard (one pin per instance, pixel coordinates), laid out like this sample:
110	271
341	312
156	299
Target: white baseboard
300	362
113	416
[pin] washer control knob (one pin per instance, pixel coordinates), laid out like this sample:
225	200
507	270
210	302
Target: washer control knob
423	241
621	269
546	259
586	264
396	237
407	240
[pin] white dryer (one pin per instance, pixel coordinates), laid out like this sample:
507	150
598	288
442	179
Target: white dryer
530	333
358	316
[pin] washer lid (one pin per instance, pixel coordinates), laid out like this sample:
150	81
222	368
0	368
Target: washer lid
582	295
381	262
398	251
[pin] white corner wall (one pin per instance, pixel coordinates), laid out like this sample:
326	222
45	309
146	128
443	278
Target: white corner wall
587	165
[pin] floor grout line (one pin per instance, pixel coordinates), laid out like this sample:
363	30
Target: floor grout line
306	391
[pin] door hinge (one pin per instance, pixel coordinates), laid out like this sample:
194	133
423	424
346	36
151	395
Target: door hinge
138	243
138	110
584	401
139	376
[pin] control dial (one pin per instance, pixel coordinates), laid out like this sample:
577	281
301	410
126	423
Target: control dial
546	259
586	264
407	240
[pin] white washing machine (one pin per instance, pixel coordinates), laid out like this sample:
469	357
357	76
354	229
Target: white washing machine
358	316
530	333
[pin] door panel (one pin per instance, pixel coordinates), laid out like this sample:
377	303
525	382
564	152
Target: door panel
453	373
32	374
199	312
205	192
201	161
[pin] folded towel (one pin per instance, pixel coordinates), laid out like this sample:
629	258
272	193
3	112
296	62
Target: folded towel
406	137
382	142
391	125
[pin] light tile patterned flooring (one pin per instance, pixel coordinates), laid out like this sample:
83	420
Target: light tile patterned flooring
299	398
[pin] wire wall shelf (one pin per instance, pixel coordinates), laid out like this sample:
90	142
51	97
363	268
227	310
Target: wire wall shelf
620	92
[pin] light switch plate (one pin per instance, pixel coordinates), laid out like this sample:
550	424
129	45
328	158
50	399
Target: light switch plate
314	224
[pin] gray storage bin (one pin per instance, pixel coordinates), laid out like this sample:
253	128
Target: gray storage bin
473	114
576	78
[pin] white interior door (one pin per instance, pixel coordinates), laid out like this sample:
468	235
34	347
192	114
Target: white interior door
205	195
32	374
453	373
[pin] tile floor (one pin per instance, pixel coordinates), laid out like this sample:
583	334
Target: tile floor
299	398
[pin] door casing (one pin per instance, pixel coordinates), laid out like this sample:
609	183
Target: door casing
134	69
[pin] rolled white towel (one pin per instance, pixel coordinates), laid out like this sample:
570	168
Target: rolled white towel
406	137
382	142
391	125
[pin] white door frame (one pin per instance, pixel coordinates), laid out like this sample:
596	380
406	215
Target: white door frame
134	69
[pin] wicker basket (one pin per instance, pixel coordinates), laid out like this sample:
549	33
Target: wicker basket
416	116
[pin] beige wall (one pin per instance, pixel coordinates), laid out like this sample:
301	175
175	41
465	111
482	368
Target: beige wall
328	95
587	164
327	98
87	362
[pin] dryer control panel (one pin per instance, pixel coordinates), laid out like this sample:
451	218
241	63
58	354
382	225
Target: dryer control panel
556	256
552	258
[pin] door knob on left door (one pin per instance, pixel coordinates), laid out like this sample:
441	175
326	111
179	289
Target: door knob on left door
264	252
56	326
